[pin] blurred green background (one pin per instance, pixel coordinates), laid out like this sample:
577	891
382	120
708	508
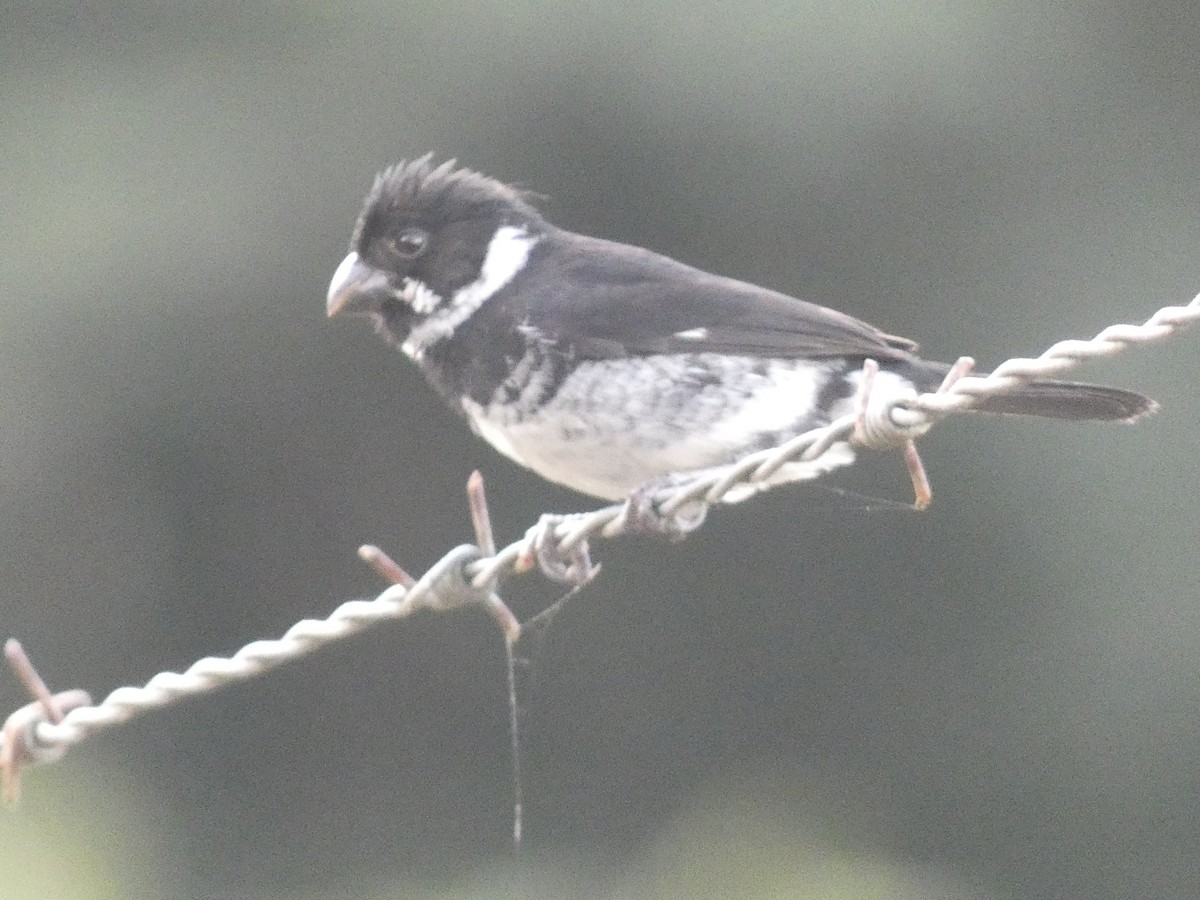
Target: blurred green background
814	696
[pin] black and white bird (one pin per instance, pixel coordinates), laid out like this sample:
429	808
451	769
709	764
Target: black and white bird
605	367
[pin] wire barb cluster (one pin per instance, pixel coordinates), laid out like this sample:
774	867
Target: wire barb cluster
43	730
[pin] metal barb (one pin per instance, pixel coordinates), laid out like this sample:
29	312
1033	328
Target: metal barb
962	367
447	584
28	675
870	369
20	746
385	566
480	517
922	490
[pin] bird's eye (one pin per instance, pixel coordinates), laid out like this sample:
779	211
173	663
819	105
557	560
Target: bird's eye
410	242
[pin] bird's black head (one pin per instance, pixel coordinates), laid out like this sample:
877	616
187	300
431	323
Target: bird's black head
432	243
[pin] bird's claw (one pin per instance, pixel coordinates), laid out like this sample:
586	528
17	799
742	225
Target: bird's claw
642	515
570	565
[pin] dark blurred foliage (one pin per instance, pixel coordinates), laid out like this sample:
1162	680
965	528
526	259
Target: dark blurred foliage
816	695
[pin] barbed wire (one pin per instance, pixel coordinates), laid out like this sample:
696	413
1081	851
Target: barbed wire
885	418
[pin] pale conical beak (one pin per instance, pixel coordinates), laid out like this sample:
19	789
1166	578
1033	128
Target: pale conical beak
357	287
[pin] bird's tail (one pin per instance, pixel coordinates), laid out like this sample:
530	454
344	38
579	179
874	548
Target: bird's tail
1069	400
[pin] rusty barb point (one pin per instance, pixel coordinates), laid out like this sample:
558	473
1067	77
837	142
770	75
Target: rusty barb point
21	745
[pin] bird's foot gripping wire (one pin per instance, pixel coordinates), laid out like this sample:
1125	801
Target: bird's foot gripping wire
562	553
644	514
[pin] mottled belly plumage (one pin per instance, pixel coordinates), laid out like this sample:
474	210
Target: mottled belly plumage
608	427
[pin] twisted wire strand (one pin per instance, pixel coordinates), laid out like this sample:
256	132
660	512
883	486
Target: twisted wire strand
1064	355
466	576
442	587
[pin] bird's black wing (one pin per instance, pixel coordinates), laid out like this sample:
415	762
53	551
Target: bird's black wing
603	300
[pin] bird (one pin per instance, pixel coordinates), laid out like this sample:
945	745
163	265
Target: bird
609	368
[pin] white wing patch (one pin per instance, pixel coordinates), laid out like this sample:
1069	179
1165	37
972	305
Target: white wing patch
693	334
